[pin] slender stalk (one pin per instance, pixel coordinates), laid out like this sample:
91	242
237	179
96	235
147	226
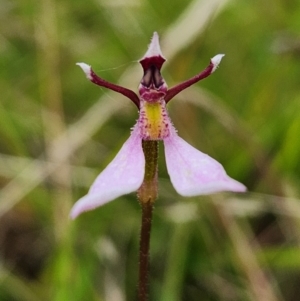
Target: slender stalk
147	194
144	251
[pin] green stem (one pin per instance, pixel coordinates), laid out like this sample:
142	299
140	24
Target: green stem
147	194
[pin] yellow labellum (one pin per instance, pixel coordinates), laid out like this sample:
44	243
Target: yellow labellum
154	121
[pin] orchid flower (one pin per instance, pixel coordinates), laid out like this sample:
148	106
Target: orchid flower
192	172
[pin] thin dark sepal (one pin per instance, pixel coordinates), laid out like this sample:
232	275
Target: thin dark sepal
180	87
126	92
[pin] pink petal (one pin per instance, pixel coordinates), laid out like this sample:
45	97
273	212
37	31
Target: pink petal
194	173
123	175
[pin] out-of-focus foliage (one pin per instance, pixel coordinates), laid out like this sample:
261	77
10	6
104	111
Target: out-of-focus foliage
58	131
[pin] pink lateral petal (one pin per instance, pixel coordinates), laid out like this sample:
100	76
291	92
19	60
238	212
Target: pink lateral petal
123	175
193	172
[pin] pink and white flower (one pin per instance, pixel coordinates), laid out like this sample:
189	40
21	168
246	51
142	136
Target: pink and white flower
191	171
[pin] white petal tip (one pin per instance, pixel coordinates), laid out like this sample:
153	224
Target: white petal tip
154	47
86	69
216	60
73	215
235	186
230	185
75	212
86	203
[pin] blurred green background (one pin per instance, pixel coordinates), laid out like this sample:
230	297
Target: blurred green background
58	131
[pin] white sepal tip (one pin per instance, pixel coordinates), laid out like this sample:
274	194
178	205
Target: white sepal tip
86	69
216	60
154	47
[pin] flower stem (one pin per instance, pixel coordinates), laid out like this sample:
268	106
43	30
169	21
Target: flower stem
147	194
144	251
